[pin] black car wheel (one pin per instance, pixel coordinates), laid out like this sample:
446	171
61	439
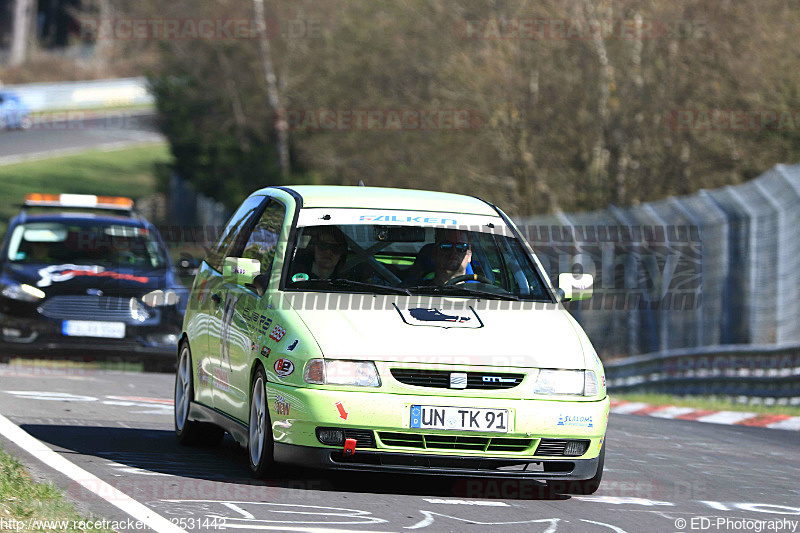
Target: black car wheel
189	432
260	444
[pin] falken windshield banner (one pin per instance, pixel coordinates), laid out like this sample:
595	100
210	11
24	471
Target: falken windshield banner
393	217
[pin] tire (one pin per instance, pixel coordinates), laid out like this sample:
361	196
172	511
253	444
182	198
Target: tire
584	486
189	432
260	444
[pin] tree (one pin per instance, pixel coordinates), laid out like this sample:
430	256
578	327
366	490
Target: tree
23	20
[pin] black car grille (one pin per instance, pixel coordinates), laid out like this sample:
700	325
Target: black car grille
365	438
556	447
102	308
441	379
426	441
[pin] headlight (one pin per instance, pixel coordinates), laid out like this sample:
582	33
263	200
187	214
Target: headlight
574	382
138	311
339	372
25	293
161	298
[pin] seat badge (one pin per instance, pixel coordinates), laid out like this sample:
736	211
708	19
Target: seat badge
458	380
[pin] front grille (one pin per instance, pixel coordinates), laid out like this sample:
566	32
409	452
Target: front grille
102	308
441	379
365	438
556	447
454	442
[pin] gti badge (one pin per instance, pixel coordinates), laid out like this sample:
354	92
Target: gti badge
497	379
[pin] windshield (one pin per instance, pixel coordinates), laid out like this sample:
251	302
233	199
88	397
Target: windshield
413	260
85	243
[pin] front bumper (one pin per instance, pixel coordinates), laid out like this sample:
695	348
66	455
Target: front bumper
38	334
567	469
388	442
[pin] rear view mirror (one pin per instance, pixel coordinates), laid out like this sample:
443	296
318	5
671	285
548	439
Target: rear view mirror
399	233
575	286
240	270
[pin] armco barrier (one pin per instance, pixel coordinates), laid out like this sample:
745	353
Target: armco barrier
751	371
95	94
733	279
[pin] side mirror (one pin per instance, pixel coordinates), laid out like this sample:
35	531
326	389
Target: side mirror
240	270
259	285
187	266
575	287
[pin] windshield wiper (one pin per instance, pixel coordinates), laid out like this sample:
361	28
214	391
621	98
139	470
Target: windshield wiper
348	283
462	291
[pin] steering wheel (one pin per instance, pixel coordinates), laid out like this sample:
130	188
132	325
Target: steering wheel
469	277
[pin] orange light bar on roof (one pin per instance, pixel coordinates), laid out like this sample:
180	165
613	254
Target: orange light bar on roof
78	200
120	201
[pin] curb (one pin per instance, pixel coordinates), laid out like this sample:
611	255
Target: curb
729	418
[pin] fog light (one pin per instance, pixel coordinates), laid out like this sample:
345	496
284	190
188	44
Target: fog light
576	448
165	339
9	332
330	436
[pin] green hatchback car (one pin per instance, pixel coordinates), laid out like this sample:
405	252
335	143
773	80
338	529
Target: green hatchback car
389	330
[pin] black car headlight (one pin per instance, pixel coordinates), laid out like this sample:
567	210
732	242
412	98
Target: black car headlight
22	292
161	298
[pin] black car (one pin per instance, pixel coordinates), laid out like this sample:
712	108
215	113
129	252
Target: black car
87	273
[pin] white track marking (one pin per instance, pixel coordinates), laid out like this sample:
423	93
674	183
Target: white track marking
628	408
726	417
234	507
672	412
486	503
88	481
789	423
428	520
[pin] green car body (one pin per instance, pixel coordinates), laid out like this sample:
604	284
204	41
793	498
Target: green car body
251	321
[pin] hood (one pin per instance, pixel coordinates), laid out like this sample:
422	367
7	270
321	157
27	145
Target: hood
448	331
70	279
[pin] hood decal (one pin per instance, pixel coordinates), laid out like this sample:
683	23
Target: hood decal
59	273
432	317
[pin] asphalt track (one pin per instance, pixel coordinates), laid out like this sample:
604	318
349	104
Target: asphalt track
118	427
56	134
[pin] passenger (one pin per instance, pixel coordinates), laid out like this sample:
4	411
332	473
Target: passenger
329	248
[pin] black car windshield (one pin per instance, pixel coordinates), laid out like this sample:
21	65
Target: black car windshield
85	242
414	259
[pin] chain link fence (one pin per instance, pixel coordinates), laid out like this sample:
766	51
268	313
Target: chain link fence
718	267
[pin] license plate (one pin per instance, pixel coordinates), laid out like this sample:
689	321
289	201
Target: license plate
459	418
89	328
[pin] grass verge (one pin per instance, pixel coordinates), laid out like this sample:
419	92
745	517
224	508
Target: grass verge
712	403
127	172
26	505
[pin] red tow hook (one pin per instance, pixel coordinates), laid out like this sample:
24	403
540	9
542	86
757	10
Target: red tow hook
349	447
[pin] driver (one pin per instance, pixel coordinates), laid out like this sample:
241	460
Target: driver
451	255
